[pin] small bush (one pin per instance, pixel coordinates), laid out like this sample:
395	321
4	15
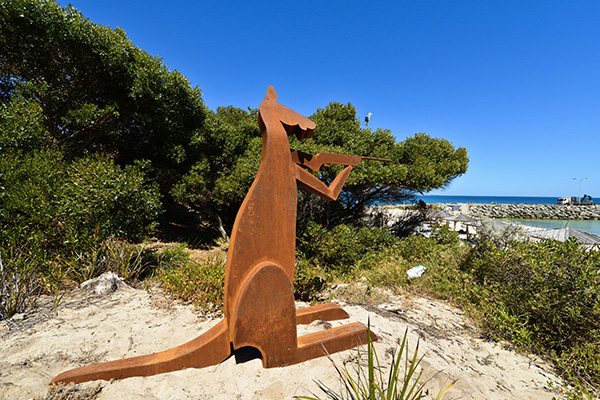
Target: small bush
17	285
21	125
543	297
339	249
442	277
199	284
31	185
308	281
171	257
128	261
100	197
56	207
444	235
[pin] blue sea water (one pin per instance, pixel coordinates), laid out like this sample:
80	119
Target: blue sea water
432	199
590	226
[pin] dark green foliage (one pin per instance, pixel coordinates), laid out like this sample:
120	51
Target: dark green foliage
444	235
97	91
309	280
29	214
228	150
21	126
101	197
339	249
420	164
50	205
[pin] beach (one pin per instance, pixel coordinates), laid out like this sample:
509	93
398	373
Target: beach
86	329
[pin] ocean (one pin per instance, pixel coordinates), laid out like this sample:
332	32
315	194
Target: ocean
590	226
432	199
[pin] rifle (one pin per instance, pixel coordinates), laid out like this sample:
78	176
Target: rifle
315	162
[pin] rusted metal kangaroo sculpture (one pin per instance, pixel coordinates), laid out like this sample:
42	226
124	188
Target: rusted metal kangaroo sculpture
259	301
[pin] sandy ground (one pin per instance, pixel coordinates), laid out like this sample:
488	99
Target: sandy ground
85	329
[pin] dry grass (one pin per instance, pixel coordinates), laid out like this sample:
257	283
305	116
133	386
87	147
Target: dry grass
75	392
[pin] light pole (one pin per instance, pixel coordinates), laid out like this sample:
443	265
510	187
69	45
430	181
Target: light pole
368	118
581	180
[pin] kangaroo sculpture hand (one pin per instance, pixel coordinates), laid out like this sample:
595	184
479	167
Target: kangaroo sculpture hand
259	300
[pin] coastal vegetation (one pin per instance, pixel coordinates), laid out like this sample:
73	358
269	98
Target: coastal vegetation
102	143
103	148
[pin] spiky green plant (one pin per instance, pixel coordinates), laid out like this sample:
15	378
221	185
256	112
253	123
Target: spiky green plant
400	384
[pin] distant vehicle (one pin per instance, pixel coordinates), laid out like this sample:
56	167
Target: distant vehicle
586	200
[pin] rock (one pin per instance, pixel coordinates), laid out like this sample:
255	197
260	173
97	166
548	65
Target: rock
339	286
106	283
538	211
394	306
18	317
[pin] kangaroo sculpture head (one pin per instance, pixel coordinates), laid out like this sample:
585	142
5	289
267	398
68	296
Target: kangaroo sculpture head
272	113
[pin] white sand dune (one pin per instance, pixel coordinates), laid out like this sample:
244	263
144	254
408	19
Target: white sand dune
130	322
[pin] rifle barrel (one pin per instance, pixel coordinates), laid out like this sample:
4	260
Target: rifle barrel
376	159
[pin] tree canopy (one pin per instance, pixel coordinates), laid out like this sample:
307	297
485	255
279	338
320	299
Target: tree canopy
97	91
71	89
219	182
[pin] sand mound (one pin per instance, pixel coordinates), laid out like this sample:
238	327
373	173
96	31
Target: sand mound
86	329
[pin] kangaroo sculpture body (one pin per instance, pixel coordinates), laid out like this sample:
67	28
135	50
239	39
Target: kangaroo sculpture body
259	301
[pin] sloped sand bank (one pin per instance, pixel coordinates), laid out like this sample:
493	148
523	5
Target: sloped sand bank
87	329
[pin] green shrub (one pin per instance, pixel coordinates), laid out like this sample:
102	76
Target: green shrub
340	248
21	126
199	284
444	235
309	280
54	206
31	186
543	297
99	197
170	257
442	276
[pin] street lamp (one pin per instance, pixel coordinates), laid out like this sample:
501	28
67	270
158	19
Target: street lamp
581	180
368	118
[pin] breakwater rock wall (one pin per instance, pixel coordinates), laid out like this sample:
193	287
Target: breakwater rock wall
535	211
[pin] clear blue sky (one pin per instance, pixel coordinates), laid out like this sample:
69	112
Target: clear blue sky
515	82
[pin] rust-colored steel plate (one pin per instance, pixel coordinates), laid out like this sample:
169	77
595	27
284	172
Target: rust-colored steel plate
259	300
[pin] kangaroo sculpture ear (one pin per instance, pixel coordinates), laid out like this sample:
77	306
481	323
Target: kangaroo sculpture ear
271	95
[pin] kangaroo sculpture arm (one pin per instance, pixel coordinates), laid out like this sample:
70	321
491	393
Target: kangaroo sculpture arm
313	184
310	182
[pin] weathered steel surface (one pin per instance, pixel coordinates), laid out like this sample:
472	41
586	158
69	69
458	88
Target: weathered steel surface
259	301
